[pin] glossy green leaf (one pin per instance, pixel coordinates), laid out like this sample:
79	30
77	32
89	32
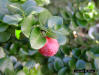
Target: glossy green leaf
27	24
66	49
17	33
62	71
36	39
90	54
4	36
9	72
96	62
72	63
44	16
79	16
51	67
58	64
21	73
18	66
81	23
30	7
12	19
61	39
30	64
13	48
66	60
33	10
13	0
91	5
5	64
2	53
26	70
95	49
15	9
32	52
55	22
88	16
3	8
36	71
42	2
76	53
13	59
3	27
28	3
80	64
52	59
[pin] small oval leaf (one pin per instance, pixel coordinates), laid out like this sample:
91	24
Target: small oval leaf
36	39
4	36
26	25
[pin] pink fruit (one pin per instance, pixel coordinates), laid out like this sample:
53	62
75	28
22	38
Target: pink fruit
50	48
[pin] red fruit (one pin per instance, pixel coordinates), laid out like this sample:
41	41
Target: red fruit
50	48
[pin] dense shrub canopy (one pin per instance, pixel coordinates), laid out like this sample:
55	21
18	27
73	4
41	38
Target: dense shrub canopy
24	24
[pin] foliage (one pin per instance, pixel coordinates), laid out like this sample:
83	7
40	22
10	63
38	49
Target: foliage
24	24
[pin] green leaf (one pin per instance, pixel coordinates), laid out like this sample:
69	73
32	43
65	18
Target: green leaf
50	33
13	59
62	71
88	16
13	0
30	7
9	72
12	19
15	9
52	59
3	27
5	64
51	67
13	48
89	66
36	39
91	5
22	1
66	49
80	64
81	22
33	10
42	2
32	52
58	64
44	16
95	49
79	16
30	64
66	59
26	25
4	36
3	8
61	39
96	62
23	52
36	71
28	3
90	54
17	33
2	53
55	22
72	63
19	1
26	70
76	53
21	73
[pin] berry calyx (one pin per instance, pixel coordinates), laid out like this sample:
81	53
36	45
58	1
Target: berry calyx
50	48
